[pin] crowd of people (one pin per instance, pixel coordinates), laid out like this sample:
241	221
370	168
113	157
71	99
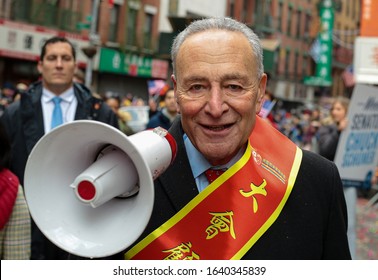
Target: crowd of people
211	113
301	125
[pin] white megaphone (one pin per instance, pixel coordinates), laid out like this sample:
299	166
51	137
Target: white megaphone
89	187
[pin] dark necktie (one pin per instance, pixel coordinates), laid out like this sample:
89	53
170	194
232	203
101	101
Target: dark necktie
212	174
57	116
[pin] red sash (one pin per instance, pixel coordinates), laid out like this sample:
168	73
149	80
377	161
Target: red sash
226	219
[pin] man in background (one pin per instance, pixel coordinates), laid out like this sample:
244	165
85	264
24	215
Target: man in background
48	103
167	114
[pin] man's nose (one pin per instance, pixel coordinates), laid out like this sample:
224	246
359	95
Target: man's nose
215	103
59	62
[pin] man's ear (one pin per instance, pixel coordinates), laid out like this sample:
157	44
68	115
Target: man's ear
261	92
39	67
174	81
173	78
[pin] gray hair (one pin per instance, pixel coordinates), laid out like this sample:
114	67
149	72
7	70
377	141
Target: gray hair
221	24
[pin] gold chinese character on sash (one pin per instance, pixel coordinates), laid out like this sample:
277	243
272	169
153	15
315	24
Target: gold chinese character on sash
181	252
220	222
255	190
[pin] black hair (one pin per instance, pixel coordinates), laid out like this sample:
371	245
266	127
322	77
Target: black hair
5	148
54	40
165	94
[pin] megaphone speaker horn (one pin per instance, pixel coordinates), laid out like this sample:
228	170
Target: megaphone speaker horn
111	175
76	175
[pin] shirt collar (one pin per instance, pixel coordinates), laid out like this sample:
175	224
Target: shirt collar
67	96
199	164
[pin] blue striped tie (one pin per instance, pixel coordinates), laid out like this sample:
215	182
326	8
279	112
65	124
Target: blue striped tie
57	116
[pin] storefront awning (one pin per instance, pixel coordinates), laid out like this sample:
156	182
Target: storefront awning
270	44
269	52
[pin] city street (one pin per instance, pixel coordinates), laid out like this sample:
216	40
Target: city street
367	229
105	70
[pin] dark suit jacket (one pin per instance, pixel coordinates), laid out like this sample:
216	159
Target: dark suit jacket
159	119
312	224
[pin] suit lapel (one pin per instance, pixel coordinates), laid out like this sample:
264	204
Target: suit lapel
183	189
83	105
32	117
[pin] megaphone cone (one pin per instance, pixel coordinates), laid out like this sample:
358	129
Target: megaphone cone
75	175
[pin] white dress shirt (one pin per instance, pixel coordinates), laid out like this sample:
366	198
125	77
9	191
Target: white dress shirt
68	105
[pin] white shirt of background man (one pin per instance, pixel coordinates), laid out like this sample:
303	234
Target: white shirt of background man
68	105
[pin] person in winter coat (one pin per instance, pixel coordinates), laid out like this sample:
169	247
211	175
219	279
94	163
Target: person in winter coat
54	100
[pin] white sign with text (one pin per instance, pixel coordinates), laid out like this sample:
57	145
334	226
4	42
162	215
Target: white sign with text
357	151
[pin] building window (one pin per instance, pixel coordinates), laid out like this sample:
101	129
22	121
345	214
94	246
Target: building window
289	20
259	11
279	16
287	62
299	24
304	65
244	14
131	26
348	8
58	14
113	23
232	8
307	24
296	64
263	13
14	11
268	13
46	13
148	30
